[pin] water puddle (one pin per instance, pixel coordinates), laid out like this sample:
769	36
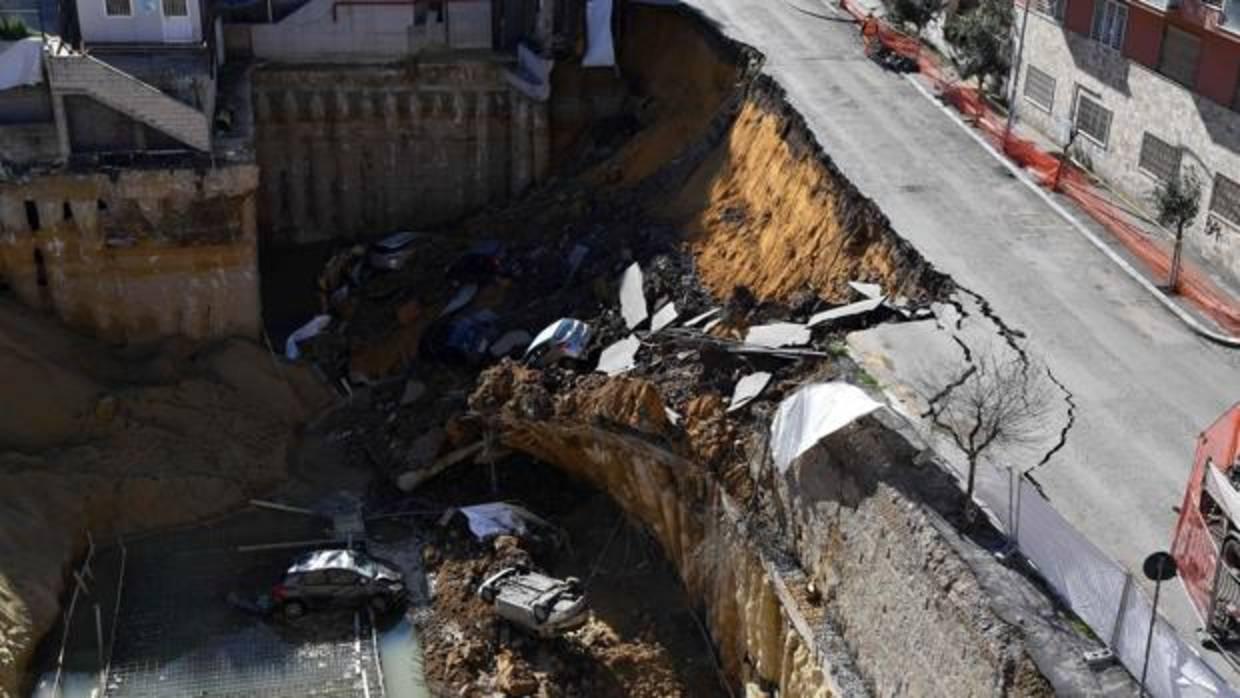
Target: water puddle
400	655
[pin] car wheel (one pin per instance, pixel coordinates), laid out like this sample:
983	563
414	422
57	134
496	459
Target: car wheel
380	604
573	584
293	609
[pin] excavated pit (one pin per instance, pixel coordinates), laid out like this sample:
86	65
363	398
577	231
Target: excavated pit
844	577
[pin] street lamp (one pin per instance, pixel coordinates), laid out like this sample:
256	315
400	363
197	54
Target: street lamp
1158	568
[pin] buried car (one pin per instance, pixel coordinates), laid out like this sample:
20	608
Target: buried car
338	578
544	605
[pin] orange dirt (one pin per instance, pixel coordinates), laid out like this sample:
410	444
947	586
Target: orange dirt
767	211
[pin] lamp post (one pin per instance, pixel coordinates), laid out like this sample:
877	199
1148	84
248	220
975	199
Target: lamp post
1158	568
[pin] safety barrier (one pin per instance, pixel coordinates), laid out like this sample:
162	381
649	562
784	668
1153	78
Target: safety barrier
1055	172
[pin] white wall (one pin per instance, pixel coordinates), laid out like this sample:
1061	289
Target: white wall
368	33
144	25
1140	100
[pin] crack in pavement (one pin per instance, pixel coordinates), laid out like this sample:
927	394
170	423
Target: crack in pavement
1069	398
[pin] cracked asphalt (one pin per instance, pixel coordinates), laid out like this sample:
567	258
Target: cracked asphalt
1138	385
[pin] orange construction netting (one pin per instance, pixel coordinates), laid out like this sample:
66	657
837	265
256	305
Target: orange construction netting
1050	170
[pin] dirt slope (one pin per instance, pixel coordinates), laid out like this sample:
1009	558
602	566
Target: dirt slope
92	438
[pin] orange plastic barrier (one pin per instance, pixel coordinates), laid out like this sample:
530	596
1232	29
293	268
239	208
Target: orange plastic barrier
1050	170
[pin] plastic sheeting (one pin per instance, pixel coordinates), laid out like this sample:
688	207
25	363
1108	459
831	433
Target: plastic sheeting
21	63
301	334
487	521
812	414
600	50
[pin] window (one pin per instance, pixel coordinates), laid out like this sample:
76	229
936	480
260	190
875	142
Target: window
117	8
342	577
1159	158
1092	119
176	8
1110	18
1225	202
1180	51
1039	88
316	578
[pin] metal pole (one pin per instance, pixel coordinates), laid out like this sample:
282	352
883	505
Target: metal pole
99	635
1015	76
1149	636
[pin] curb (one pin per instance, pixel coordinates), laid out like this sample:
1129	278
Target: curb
1193	323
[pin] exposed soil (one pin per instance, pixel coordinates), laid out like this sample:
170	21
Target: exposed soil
642	638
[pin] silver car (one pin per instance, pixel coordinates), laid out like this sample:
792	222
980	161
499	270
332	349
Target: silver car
544	605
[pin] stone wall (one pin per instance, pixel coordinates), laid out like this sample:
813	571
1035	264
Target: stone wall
906	611
1140	100
362	151
136	254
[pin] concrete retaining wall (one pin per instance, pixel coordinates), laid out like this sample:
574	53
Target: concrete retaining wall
136	255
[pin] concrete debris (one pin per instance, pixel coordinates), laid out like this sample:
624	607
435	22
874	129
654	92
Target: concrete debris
697	319
852	309
301	334
812	414
509	342
866	289
747	389
666	316
633	297
460	300
564	338
712	324
672	416
619	357
778	334
414	390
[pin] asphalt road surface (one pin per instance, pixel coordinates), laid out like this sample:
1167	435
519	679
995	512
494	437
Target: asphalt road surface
1144	385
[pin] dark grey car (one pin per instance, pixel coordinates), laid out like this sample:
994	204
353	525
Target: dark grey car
338	578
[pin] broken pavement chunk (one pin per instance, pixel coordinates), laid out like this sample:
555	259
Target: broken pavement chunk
813	413
619	357
301	334
866	289
633	297
666	316
695	320
565	337
747	389
858	308
778	334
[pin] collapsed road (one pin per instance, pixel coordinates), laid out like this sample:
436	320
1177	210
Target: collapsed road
712	567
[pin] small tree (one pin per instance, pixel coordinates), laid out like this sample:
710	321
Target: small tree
982	40
994	404
917	13
1178	201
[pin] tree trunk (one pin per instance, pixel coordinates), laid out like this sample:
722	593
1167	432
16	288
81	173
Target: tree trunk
1173	282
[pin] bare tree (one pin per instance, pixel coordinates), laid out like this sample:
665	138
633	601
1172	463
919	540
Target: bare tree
1178	200
994	404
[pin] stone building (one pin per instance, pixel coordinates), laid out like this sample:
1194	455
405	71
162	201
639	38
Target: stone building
1143	90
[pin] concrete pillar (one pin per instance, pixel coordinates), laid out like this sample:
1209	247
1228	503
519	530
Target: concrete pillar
13	214
322	165
544	26
62	125
540	137
520	150
296	167
482	154
86	215
458	160
348	173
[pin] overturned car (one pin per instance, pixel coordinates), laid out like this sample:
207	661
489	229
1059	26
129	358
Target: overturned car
543	605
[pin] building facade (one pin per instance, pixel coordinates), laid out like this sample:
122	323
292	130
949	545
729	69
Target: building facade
1143	91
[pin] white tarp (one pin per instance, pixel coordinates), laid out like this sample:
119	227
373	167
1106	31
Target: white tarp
306	331
600	53
533	74
633	297
493	519
21	63
813	413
